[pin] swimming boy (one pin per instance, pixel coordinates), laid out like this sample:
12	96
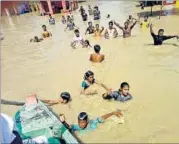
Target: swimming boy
51	20
84	16
77	40
81	10
158	39
97	57
45	33
98	31
63	20
145	23
96	13
111	31
86	44
88	82
70	25
84	124
90	29
121	95
126	29
130	20
36	39
90	11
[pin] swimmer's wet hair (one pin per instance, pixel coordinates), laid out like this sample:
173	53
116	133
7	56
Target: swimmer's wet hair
111	22
87	41
124	84
97	48
89	22
65	96
161	30
76	31
88	74
43	25
83	116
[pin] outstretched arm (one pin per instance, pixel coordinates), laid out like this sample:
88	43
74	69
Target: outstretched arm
151	29
101	84
169	37
132	26
50	101
116	113
119	26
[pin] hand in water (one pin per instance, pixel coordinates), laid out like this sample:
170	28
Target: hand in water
118	113
62	117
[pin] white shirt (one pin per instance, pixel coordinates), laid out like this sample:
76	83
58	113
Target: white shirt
7	127
77	40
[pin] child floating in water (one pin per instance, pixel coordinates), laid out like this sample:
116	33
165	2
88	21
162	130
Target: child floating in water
63	20
97	57
45	33
36	39
158	39
86	44
98	31
89	81
84	124
111	32
121	95
77	40
90	29
145	23
51	20
70	25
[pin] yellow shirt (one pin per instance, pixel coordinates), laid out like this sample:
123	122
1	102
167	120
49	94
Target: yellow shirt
145	24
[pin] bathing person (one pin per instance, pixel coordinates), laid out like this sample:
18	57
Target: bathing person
51	20
98	31
111	31
90	29
97	57
158	39
86	44
36	39
84	16
126	29
121	95
81	10
130	20
84	124
108	16
63	120
64	98
68	18
145	23
71	15
70	25
96	13
77	40
90	11
45	33
88	83
64	20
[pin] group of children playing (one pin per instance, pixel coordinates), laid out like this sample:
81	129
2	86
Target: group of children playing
122	94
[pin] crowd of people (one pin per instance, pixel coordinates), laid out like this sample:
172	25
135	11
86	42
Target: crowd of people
121	95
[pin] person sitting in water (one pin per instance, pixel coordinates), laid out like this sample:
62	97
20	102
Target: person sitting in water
98	31
85	125
96	13
158	39
145	23
71	15
77	40
45	33
121	95
86	44
36	39
108	16
64	98
97	57
90	29
68	18
90	11
71	25
111	32
84	16
88	82
130	20
64	20
81	10
126	29
51	20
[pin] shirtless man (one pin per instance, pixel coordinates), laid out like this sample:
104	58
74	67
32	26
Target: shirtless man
111	31
126	29
97	57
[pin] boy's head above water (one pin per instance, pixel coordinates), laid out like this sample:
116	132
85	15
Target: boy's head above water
160	32
89	76
44	27
97	26
83	120
65	97
90	24
77	33
126	24
97	48
130	16
124	88
145	18
110	24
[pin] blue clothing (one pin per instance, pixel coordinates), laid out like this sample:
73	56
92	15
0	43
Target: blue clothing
70	26
52	21
92	125
85	85
116	95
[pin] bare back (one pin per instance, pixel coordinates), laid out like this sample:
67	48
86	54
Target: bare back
96	57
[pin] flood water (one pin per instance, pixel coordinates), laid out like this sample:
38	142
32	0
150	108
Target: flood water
52	66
